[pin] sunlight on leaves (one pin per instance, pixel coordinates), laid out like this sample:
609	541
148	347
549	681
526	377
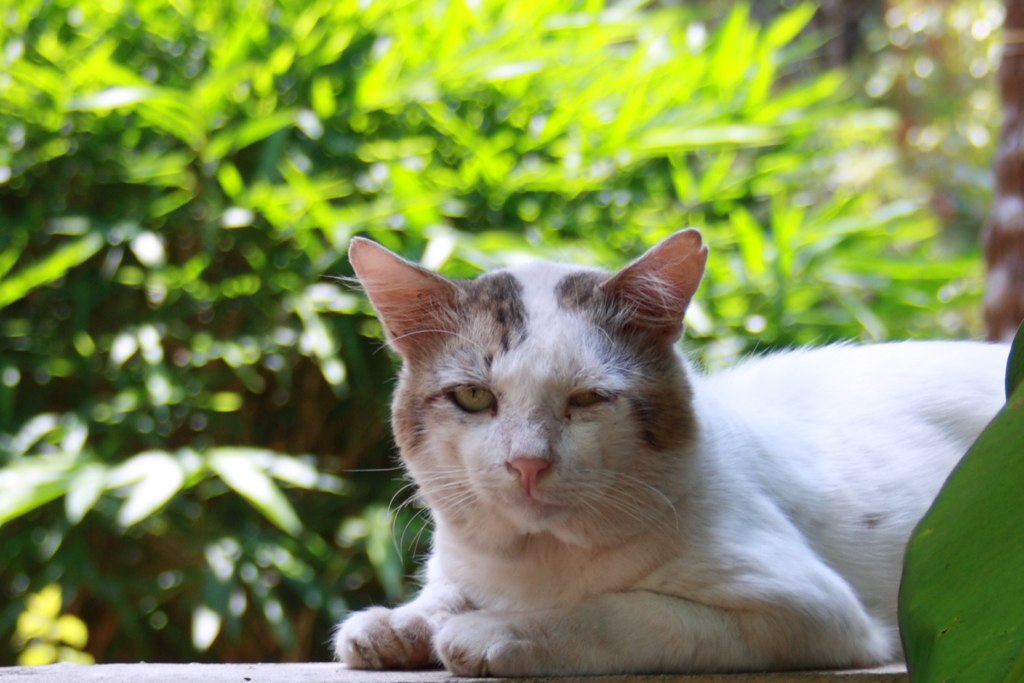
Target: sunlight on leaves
153	477
206	625
236	467
84	489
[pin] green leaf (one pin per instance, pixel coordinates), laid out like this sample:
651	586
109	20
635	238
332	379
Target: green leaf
663	140
28	486
206	625
10	254
158	477
247	134
72	630
84	489
49	268
112	98
239	469
382	551
789	25
1015	366
961	613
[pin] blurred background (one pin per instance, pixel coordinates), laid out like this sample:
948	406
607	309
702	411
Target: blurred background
195	462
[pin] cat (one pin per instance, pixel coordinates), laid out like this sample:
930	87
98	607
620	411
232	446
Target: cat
600	507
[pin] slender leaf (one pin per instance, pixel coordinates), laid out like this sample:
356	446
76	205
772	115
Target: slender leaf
48	269
1015	366
84	489
157	478
238	468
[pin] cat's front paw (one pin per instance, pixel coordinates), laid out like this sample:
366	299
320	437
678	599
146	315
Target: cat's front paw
491	644
380	638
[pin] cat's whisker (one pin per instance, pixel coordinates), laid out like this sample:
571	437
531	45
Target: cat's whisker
422	516
659	495
636	508
439	330
371	470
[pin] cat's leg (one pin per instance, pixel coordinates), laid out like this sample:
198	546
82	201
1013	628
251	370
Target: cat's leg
646	632
399	638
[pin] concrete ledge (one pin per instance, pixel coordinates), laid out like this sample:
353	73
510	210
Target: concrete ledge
336	673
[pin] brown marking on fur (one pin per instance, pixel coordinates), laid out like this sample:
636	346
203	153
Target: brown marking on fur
872	521
488	317
644	309
579	291
662	403
408	417
496	298
662	410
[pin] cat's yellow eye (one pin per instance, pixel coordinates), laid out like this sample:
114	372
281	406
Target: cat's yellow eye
473	399
585	399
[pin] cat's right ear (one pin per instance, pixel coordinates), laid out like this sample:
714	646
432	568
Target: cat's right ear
416	307
653	292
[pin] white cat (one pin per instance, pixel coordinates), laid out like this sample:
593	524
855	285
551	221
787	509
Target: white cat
601	508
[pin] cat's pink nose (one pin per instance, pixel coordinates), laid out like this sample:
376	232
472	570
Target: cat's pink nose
530	470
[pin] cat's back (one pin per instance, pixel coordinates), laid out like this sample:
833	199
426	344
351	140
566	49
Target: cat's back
846	381
852	443
853	405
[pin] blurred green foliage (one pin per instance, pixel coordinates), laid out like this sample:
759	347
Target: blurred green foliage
936	63
193	437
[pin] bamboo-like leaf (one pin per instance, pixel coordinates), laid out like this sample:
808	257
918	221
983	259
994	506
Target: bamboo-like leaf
247	134
681	138
112	98
160	477
381	549
84	489
206	625
48	269
789	24
29	485
32	432
750	238
238	468
10	254
1015	365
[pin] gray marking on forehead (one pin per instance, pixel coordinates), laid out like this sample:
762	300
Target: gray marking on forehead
579	290
498	298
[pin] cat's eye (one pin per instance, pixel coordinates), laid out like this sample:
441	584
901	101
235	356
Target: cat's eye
585	399
473	399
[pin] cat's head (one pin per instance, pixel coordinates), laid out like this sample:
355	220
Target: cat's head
542	398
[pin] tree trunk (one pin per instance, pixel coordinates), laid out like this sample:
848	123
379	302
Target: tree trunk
1003	237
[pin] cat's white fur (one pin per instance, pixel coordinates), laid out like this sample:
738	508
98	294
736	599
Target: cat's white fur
771	536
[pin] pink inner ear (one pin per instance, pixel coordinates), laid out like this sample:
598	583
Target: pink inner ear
415	306
655	290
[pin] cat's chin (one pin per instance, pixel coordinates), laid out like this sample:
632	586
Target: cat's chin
532	515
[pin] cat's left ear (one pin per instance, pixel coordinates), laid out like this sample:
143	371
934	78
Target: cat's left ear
653	292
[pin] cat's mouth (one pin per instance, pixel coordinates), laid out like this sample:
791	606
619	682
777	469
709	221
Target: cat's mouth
534	507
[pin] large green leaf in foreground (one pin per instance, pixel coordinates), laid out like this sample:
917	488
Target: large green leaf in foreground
962	598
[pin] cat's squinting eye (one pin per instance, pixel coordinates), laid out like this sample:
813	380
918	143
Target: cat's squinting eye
585	399
473	399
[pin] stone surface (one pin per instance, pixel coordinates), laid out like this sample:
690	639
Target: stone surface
314	673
